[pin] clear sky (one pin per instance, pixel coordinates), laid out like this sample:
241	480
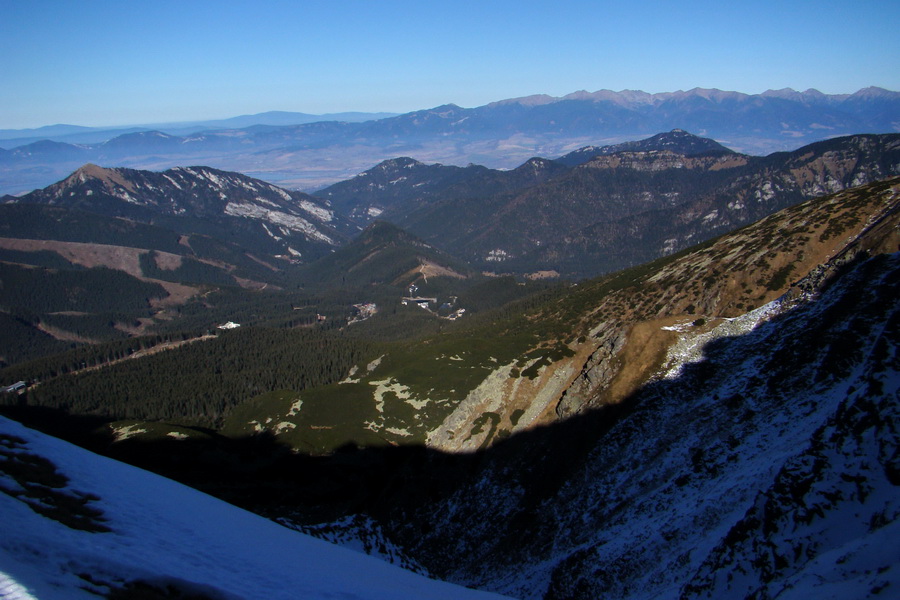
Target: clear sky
98	62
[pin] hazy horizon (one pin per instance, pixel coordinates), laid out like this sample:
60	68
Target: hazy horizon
109	63
187	123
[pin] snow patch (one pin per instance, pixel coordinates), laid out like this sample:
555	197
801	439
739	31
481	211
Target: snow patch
711	216
292	222
11	590
272	235
322	214
689	347
127	431
284	195
284	426
374	364
398	431
262	200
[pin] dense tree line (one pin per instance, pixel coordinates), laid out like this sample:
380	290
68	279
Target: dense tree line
42	222
95	327
269	308
90	290
21	342
85	356
210	248
197	383
42	258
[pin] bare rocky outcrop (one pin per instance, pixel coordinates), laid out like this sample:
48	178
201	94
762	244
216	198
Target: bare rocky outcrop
503	403
597	372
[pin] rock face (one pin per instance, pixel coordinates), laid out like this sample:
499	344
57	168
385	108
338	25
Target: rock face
596	373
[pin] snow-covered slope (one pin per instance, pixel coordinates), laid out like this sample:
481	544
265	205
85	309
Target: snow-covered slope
74	525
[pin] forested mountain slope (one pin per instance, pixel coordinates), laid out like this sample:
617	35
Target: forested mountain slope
622	209
383	255
494	374
394	188
110	253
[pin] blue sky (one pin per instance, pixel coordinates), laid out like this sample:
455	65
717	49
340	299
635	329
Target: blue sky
124	62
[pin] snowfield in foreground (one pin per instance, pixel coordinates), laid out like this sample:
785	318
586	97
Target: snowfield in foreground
75	525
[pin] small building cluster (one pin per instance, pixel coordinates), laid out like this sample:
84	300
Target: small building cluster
229	325
363	311
446	309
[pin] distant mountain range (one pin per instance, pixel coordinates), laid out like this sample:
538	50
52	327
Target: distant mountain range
615	206
310	155
75	134
594	210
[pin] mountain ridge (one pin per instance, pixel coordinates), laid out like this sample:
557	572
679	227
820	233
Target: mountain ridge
501	134
591	211
199	192
641	97
624	208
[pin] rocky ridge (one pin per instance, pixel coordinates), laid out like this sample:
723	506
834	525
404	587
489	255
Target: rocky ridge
685	199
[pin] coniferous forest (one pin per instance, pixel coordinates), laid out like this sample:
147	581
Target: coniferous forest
195	383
